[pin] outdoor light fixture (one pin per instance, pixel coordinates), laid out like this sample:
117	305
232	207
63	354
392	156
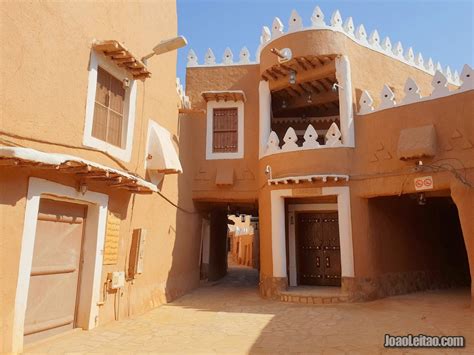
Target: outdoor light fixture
167	45
82	188
335	86
283	104
268	171
421	199
292	77
310	99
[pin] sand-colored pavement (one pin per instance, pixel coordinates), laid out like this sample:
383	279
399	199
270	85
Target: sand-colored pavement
230	317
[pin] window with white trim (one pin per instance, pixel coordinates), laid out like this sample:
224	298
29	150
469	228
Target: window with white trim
110	109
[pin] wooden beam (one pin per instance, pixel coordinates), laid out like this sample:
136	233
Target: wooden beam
316	100
303	77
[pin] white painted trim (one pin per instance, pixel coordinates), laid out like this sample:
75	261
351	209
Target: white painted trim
265	102
96	60
96	220
211	105
278	231
277	198
293	278
346	111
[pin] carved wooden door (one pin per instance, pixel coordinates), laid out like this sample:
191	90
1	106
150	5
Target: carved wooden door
318	249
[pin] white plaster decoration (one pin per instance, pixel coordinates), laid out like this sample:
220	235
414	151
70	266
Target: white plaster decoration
210	58
448	73
310	137
336	20
264	120
273	144
439	67
440	85
430	66
349	26
346	111
398	51
277	28
419	61
365	103
333	136
387	98
410	56
467	75
412	92
295	23
239	154
290	139
184	100
308	178
456	78
228	57
94	234
374	39
317	18
387	45
361	34
244	56
277	200
266	35
192	59
129	109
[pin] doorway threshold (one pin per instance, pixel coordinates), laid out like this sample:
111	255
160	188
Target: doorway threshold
314	295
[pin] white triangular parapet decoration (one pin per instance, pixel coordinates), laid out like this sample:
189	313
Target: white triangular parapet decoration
440	85
317	18
290	139
374	39
366	103
333	136
277	28
398	50
412	92
467	75
266	35
310	137
349	26
448	73
456	78
210	58
430	66
387	45
387	98
192	59
336	20
273	144
295	23
439	67
361	34
419	61
410	56
244	56
228	57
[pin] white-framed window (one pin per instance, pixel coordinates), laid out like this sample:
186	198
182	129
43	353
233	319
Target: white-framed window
110	108
225	130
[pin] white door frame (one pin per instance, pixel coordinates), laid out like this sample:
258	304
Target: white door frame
94	234
278	231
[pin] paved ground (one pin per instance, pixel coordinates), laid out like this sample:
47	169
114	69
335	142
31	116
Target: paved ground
229	317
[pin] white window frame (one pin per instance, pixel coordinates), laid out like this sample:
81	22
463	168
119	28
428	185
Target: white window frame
239	154
124	154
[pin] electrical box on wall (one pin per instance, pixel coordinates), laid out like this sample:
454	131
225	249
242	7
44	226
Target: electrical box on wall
137	252
117	279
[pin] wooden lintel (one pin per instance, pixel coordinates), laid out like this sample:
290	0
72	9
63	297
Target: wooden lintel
303	77
316	100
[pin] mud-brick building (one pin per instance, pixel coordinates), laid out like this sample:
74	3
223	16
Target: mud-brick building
89	139
357	156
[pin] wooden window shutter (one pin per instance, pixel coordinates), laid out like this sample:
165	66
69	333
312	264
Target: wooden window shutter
108	123
225	130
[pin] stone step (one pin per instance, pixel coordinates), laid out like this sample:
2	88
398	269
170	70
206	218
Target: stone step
314	295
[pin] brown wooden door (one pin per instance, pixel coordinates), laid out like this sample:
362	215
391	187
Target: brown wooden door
55	271
318	249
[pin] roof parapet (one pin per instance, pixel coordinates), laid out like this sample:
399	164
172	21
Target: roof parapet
412	91
358	35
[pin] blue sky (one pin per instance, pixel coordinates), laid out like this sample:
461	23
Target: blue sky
442	30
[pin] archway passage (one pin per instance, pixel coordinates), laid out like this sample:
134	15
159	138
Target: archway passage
418	243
